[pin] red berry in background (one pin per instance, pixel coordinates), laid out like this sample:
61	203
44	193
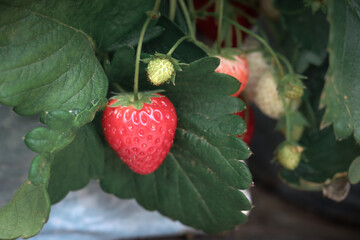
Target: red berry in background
208	26
237	68
141	138
248	116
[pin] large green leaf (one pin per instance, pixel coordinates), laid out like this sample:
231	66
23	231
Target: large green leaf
103	21
341	92
27	212
46	64
75	165
199	181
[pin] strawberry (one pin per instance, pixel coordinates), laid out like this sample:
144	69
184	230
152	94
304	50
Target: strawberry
236	67
248	116
258	65
141	135
289	155
267	98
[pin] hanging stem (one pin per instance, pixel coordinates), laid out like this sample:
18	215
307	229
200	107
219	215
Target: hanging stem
287	119
286	62
138	51
192	14
220	8
187	19
177	44
257	37
238	38
172	10
118	87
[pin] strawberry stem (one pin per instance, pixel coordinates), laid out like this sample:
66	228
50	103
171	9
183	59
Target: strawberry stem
286	62
172	10
187	19
151	16
178	42
220	8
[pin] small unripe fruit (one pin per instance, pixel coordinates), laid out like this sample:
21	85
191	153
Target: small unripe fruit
160	70
289	155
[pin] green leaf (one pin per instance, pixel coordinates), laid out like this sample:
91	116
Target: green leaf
75	165
354	171
46	140
132	38
341	91
50	67
27	212
199	181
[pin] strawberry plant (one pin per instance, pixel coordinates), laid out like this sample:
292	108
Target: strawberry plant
129	93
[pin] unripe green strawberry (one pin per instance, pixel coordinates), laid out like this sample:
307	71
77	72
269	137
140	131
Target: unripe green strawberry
293	86
289	155
160	70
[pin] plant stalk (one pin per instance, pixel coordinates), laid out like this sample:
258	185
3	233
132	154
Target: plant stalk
220	8
187	19
172	10
178	42
138	51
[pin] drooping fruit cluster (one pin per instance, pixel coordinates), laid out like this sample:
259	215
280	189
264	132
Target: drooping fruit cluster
142	138
237	67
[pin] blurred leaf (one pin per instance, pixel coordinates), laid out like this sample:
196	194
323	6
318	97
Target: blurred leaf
199	181
295	38
341	91
26	213
324	155
303	25
354	171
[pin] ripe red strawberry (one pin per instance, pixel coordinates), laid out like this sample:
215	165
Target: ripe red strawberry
141	138
237	68
248	116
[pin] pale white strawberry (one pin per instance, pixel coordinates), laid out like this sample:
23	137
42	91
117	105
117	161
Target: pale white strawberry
266	96
257	67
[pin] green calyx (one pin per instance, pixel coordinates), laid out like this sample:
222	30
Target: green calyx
128	99
288	154
162	69
293	86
